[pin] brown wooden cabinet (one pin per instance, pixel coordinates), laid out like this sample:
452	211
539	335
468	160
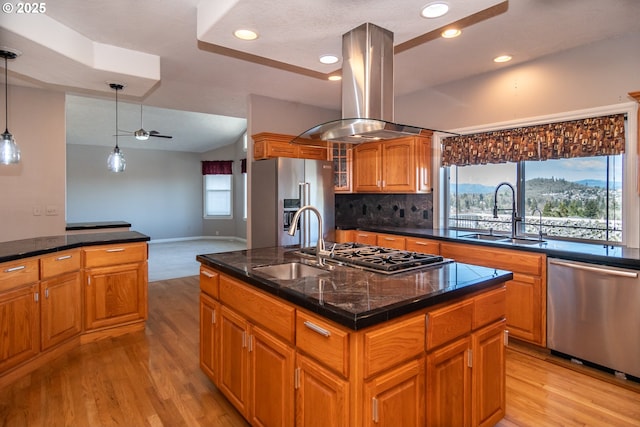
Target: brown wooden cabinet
391	241
365	237
281	365
115	285
270	145
425	246
636	96
322	397
19	324
401	165
465	369
526	293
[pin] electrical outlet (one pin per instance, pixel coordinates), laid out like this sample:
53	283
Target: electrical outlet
37	211
51	210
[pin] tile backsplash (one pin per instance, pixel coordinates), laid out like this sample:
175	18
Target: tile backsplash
397	210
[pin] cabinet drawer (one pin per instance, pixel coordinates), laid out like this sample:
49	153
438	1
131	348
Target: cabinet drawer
317	153
448	323
60	262
20	272
505	259
489	307
209	281
99	256
393	344
366	238
390	241
324	342
262	309
424	246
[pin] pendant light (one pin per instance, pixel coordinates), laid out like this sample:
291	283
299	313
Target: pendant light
116	161
9	151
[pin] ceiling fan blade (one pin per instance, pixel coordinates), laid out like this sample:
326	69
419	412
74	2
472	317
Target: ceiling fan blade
158	135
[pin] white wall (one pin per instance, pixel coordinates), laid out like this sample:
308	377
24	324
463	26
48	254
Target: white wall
159	193
236	226
36	120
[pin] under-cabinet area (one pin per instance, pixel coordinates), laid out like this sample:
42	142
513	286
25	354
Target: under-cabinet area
280	363
56	301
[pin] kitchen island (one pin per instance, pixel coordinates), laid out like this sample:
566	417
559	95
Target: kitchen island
345	346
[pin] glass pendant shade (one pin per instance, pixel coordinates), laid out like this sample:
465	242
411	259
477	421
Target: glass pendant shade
116	161
9	151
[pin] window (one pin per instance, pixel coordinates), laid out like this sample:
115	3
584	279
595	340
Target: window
218	195
574	198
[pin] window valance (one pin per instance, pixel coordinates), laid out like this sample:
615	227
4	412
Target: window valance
596	136
217	167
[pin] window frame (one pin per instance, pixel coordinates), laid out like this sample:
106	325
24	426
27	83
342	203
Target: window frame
204	198
630	199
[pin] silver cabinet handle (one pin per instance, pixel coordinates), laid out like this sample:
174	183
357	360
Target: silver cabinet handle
594	269
62	258
116	250
315	328
12	269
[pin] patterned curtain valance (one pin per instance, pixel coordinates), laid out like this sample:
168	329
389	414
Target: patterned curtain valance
597	136
217	167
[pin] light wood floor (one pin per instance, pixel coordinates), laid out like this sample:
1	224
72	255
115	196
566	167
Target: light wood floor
152	378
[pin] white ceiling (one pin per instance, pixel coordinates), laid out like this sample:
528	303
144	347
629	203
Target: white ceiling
178	58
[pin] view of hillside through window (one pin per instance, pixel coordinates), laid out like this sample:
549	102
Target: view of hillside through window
578	198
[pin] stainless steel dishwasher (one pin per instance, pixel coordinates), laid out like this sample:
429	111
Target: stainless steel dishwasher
593	314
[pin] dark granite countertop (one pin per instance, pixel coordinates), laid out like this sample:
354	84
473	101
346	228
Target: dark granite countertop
617	256
96	225
18	249
351	296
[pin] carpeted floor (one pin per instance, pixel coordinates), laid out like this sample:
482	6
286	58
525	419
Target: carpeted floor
170	260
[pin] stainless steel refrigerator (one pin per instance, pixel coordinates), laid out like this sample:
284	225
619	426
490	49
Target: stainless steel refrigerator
279	187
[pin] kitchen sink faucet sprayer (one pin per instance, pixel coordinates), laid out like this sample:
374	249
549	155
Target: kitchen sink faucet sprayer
514	213
320	250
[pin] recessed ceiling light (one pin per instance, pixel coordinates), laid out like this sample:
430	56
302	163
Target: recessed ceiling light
434	10
502	58
335	78
451	33
328	59
244	34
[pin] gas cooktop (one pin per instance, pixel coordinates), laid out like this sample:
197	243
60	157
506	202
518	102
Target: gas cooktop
380	259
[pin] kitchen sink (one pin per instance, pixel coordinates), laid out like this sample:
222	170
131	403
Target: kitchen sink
488	237
289	271
523	241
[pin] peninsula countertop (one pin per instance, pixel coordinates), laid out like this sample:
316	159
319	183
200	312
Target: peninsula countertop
351	296
19	249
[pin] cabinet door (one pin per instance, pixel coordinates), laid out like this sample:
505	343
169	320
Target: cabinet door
233	380
524	308
397	397
272	392
367	167
489	374
322	398
449	385
115	295
398	166
60	309
341	157
424	159
209	344
19	325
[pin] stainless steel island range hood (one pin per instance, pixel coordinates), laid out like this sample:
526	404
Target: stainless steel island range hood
367	92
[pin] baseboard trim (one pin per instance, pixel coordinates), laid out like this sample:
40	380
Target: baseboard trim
184	239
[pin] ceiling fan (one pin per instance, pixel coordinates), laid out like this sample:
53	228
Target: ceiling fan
142	134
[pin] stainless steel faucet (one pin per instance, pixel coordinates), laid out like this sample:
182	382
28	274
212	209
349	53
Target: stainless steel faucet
539	222
514	213
320	250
